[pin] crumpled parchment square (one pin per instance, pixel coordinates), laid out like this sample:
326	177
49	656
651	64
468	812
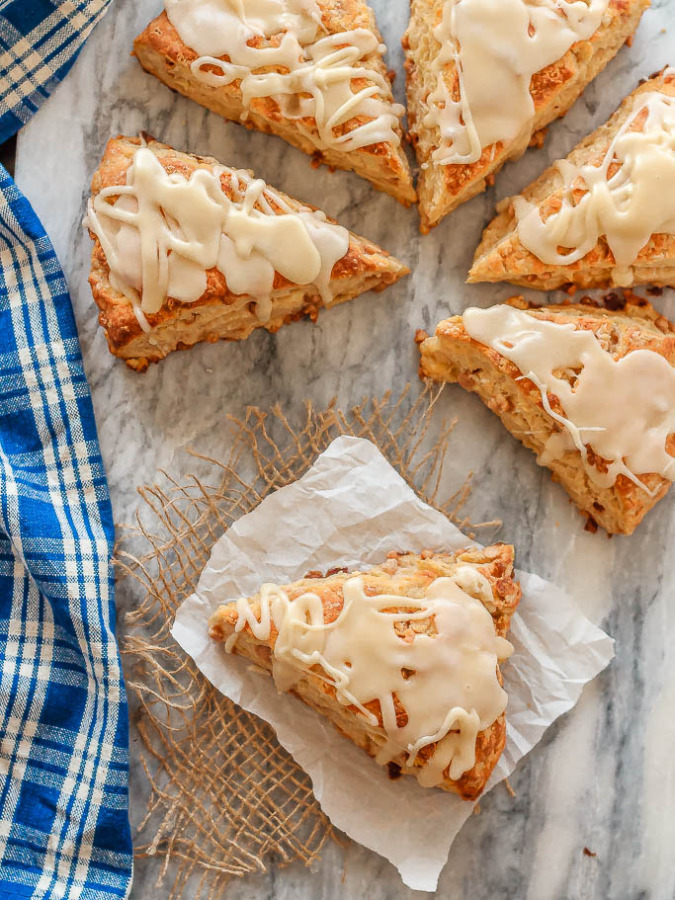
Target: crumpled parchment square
350	509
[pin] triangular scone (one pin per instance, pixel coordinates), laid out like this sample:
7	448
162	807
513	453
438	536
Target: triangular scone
471	102
188	250
309	71
585	199
402	658
595	401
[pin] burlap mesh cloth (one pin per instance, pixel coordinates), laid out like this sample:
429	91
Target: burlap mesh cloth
225	797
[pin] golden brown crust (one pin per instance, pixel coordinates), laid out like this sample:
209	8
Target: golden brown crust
501	257
162	53
452	356
554	89
404	574
218	314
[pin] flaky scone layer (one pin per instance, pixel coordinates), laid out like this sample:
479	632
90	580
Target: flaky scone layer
161	52
450	355
442	188
218	314
406	575
500	256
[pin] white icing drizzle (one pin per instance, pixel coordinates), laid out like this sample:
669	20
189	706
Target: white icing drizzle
162	232
626	207
624	409
318	68
497	47
453	691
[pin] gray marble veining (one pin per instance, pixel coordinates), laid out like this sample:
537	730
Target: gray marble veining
604	777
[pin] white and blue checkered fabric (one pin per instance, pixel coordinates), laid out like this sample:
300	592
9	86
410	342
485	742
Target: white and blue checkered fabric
64	829
39	41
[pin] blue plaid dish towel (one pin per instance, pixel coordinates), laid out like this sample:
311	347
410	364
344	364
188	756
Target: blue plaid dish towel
64	826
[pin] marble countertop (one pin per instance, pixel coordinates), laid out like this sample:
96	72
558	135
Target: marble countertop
604	777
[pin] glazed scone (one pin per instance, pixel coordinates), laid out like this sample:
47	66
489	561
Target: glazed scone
605	215
309	71
485	79
589	388
188	250
402	658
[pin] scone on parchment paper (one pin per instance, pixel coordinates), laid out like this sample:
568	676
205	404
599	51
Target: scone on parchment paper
589	388
469	63
402	658
312	73
188	250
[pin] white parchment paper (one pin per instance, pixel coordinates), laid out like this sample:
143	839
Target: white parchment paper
350	509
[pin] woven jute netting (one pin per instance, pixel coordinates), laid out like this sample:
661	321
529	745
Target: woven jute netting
225	797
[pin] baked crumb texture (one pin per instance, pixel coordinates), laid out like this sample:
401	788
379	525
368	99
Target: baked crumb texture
442	188
450	355
501	256
161	52
218	314
406	575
